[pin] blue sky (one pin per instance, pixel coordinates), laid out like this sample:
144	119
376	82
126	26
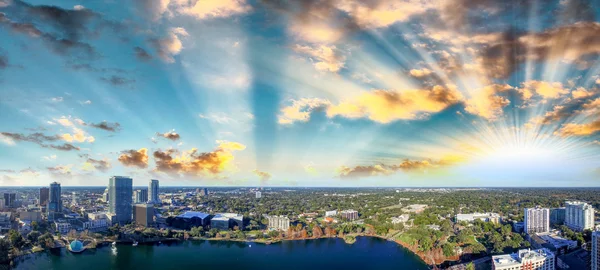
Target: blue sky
310	93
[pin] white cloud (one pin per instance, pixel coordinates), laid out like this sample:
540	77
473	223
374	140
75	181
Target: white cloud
50	157
78	7
57	99
7	140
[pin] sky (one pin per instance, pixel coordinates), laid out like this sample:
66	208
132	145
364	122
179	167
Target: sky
300	93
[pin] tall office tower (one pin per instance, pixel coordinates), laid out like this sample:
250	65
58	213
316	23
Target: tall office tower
579	216
9	200
120	192
537	220
44	195
153	191
54	202
258	195
596	250
141	195
204	192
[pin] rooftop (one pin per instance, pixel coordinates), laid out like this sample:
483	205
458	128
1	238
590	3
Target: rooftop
191	214
522	256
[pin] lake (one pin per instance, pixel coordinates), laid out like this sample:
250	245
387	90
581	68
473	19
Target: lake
365	253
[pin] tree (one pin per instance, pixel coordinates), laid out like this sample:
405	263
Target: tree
15	238
448	249
4	251
470	266
33	236
273	234
317	232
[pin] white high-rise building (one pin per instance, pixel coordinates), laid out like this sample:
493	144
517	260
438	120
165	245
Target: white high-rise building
525	259
258	195
153	191
596	250
537	220
279	222
579	216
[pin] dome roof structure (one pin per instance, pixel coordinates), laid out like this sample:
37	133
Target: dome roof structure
76	246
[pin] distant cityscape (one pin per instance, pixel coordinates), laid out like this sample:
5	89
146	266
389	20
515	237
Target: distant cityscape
566	237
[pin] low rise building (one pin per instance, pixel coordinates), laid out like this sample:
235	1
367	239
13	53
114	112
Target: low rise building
6	220
552	242
62	226
525	259
486	217
30	215
331	213
191	219
224	221
401	219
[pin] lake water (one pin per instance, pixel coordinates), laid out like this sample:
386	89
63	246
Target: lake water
366	253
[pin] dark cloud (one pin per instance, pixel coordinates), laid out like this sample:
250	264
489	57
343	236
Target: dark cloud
570	43
60	171
63	147
3	61
8	171
112	127
118	81
134	158
171	135
142	54
41	140
101	165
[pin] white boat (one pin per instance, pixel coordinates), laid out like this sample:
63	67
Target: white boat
114	244
249	245
135	243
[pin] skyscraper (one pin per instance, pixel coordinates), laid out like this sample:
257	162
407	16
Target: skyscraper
44	195
9	200
579	216
120	193
537	220
153	191
557	216
54	202
596	250
141	195
258	195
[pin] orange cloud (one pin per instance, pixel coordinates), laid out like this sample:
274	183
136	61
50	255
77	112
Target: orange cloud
205	9
264	176
301	109
420	72
407	166
194	163
547	90
135	158
171	135
325	58
386	106
487	103
573	129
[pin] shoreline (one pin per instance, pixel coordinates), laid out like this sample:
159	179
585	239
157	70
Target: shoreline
103	243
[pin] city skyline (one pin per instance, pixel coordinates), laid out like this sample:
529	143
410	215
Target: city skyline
324	94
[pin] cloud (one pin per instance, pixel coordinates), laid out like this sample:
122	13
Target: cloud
547	90
50	157
96	164
78	136
207	9
171	135
112	127
420	72
154	9
194	163
142	54
581	92
134	158
568	43
264	176
324	58
384	106
301	109
119	81
57	99
3	61
487	102
61	171
87	102
574	129
170	45
37	138
407	166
